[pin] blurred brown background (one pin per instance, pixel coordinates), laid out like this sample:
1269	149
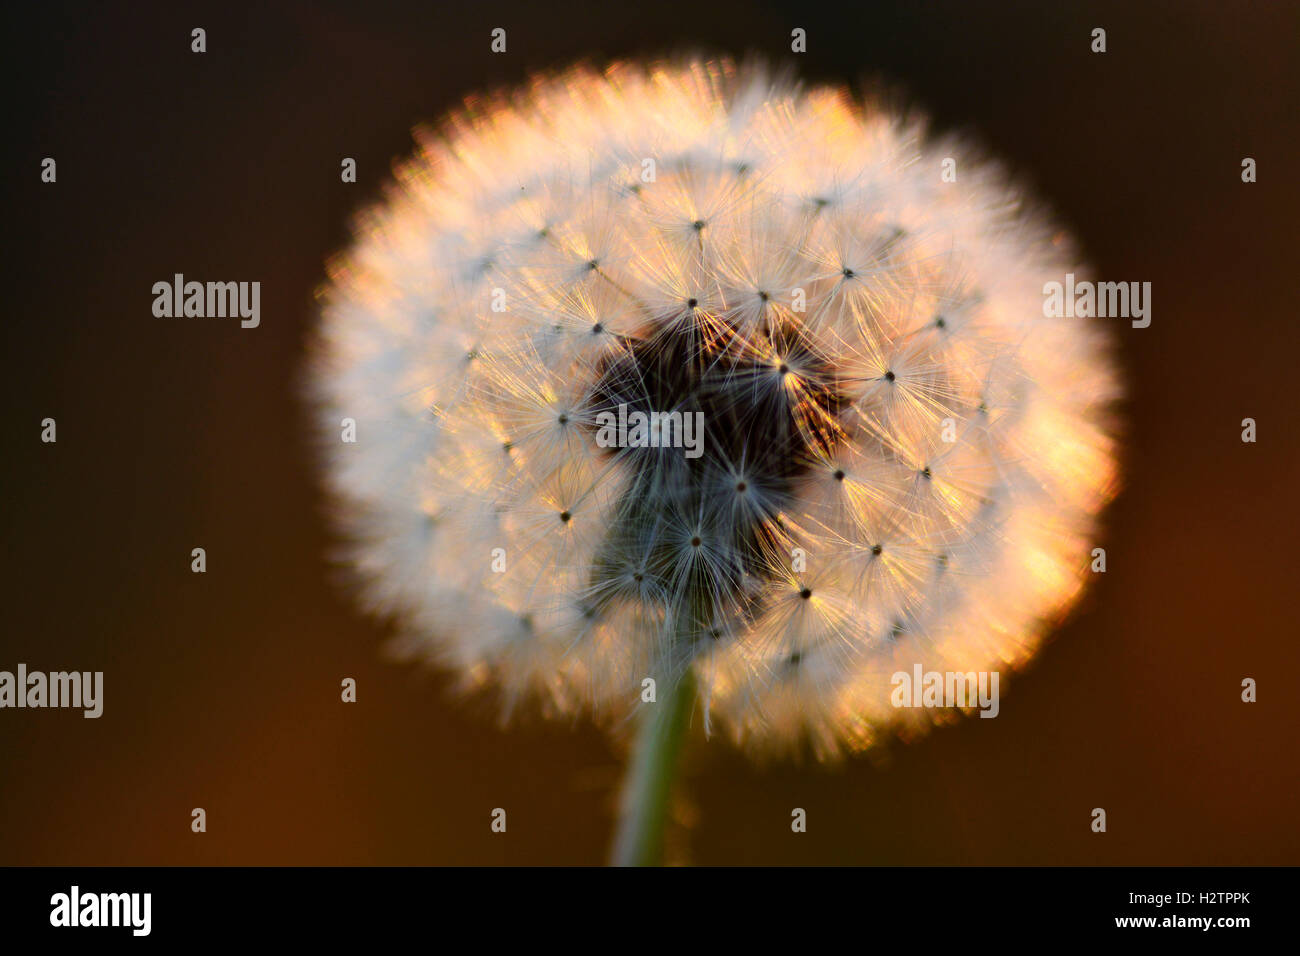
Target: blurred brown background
222	690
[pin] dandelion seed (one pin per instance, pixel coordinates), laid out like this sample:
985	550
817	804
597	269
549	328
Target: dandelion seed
794	272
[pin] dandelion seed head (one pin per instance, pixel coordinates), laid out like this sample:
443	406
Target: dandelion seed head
902	458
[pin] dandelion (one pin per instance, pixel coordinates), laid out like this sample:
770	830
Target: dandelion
901	460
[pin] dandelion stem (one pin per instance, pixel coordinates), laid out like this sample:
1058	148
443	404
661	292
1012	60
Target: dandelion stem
647	787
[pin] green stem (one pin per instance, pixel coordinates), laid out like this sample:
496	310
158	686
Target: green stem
648	784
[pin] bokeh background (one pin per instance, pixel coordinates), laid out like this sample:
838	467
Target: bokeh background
222	689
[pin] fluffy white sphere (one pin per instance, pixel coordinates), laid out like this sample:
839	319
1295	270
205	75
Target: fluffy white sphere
901	457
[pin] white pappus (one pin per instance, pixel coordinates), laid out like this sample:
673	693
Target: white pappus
902	458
